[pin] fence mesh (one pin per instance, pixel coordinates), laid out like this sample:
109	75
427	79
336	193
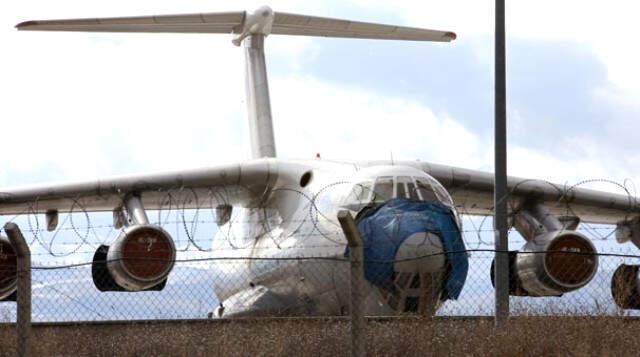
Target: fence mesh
222	272
302	286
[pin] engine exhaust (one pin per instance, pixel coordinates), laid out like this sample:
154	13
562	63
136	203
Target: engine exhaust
625	287
141	258
552	264
8	269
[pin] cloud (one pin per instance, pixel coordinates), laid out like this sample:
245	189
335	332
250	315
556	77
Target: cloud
607	28
82	106
78	106
350	122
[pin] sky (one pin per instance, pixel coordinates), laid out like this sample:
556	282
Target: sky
77	106
83	106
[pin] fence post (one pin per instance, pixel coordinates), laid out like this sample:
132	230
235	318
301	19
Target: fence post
501	190
356	258
23	255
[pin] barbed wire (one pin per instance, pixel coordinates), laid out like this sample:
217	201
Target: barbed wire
189	219
343	258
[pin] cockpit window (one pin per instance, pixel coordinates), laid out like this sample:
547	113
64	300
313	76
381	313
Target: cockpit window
442	194
360	193
363	191
425	191
401	186
383	189
413	192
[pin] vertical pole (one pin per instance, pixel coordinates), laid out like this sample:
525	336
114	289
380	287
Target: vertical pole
258	102
500	191
23	255
358	328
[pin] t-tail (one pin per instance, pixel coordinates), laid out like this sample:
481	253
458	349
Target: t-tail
250	28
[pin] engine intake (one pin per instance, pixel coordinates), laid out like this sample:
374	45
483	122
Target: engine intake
141	258
8	270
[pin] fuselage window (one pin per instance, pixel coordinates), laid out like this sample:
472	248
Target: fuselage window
383	189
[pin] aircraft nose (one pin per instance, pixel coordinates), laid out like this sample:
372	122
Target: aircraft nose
413	253
421	252
419	270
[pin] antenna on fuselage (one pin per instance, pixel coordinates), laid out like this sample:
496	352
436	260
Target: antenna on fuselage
252	29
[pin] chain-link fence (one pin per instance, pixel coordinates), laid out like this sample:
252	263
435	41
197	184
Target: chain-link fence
235	263
212	287
581	272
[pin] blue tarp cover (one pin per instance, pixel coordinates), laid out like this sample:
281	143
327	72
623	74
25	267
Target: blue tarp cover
387	226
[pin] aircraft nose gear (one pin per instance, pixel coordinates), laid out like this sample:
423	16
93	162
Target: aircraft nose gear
218	311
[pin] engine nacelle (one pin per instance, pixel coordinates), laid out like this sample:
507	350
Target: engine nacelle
552	264
8	269
140	258
625	287
556	263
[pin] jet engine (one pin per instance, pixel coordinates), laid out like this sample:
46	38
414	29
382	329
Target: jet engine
625	283
141	258
555	260
625	287
8	269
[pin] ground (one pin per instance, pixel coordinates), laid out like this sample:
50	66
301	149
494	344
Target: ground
528	336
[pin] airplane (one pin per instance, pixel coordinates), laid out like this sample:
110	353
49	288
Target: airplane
279	247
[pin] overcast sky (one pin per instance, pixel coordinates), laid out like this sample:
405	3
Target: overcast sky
77	106
82	106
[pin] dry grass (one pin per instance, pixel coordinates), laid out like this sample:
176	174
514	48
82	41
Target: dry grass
529	336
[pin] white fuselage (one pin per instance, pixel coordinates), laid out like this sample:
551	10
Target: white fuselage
294	248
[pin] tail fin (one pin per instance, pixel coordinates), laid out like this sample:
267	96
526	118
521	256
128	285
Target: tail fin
254	27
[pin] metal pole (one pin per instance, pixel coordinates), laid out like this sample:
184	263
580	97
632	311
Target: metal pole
24	288
500	191
358	328
258	102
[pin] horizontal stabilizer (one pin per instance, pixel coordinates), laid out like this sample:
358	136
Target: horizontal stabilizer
292	24
237	22
221	22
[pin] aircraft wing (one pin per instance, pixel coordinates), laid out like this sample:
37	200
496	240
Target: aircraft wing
472	192
249	184
246	184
